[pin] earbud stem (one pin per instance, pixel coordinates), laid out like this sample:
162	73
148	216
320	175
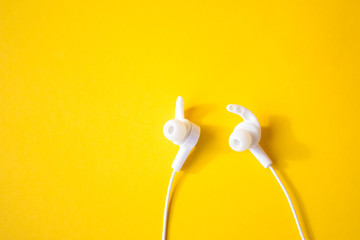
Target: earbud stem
180	158
261	156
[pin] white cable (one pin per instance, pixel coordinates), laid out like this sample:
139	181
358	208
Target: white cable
289	200
167	205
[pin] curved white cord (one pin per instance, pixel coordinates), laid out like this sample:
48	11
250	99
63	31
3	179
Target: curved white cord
167	205
289	200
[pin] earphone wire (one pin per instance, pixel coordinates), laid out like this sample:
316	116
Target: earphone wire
290	202
167	205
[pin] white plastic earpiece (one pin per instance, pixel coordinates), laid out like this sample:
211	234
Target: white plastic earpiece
247	134
184	133
181	132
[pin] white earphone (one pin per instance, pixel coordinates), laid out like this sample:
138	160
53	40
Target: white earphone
184	133
181	132
246	135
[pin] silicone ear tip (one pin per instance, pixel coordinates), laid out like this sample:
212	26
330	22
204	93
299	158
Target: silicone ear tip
240	140
174	130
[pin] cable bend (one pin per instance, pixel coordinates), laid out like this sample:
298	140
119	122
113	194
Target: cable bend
275	175
290	202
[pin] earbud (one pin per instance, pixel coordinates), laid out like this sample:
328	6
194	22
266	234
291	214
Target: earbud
181	132
247	134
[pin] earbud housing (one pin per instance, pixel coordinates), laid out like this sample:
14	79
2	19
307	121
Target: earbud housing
181	132
247	134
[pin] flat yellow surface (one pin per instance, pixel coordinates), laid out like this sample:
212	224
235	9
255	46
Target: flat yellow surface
85	89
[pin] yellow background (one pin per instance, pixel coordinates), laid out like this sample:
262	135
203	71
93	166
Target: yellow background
86	87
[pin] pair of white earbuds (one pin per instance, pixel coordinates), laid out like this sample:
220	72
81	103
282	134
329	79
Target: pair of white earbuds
184	133
246	135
